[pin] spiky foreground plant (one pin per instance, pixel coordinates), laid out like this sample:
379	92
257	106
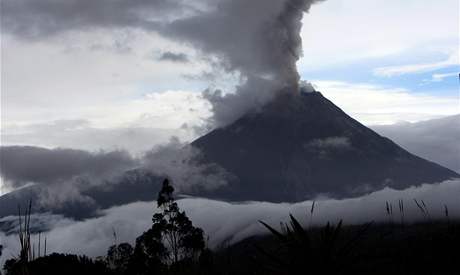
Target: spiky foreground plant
27	253
302	251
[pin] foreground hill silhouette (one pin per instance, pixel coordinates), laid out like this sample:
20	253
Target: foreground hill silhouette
301	145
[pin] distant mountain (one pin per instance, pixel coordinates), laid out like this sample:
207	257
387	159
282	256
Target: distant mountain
437	140
301	146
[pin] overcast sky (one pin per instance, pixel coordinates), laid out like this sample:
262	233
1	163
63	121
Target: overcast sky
99	81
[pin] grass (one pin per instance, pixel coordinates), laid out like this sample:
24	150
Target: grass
28	252
428	247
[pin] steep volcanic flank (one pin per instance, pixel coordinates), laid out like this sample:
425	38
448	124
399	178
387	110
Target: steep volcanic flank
294	148
301	146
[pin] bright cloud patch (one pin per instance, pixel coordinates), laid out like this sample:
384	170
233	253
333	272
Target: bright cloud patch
374	104
441	77
417	68
136	125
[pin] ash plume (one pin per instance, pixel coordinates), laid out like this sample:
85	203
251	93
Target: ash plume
258	41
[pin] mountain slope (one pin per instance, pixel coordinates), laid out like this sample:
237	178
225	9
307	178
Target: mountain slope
301	146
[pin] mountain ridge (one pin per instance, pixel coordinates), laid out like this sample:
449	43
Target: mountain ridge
290	149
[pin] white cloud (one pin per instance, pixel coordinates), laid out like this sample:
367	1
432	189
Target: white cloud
346	31
142	123
53	134
135	125
94	236
374	104
417	68
5	186
68	77
441	77
169	109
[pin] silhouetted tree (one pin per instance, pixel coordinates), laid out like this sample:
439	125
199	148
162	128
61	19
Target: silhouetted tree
172	240
119	256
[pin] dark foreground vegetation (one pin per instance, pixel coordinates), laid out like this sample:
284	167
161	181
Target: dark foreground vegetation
174	246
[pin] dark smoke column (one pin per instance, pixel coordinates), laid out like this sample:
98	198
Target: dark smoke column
285	44
259	39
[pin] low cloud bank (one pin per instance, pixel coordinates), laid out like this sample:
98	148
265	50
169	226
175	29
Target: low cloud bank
25	164
61	173
68	175
435	140
226	222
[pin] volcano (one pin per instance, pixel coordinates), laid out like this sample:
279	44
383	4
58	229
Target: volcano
301	146
296	147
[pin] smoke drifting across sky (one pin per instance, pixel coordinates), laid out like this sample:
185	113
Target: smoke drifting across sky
258	40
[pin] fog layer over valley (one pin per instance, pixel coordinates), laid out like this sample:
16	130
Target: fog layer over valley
228	223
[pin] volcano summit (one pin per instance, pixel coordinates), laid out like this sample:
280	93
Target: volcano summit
300	146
